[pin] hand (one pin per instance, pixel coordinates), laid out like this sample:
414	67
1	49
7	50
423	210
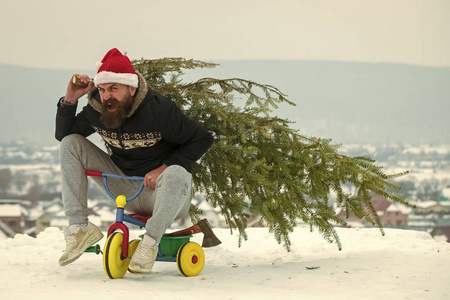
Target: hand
152	176
75	92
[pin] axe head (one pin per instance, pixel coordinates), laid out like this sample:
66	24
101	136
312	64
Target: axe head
209	238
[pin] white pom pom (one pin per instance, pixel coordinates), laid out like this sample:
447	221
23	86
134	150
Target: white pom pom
98	64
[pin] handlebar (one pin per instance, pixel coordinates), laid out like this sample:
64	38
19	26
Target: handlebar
108	175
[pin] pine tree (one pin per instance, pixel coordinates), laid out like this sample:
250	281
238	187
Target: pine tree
258	165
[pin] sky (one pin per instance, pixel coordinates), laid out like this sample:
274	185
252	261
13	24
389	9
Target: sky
60	34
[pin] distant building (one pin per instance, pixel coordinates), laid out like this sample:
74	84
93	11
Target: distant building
432	217
43	221
396	215
443	231
6	231
390	214
13	217
19	216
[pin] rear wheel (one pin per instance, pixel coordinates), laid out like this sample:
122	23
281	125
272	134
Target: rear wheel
114	263
190	259
131	248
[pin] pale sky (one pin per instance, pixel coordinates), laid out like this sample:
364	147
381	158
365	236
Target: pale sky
62	34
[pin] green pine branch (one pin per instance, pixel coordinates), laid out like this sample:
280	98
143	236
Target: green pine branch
259	166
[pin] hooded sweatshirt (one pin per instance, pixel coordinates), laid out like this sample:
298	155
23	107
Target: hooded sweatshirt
155	132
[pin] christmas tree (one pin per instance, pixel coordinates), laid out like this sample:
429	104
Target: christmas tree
258	165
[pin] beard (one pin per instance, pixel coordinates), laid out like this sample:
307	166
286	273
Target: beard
115	112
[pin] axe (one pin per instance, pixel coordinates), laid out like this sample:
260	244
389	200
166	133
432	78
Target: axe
209	238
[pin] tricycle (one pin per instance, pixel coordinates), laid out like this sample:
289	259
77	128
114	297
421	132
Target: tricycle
174	247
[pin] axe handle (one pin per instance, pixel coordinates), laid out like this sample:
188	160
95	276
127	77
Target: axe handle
188	231
209	238
77	81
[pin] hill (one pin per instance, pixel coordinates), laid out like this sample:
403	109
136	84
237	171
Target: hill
356	102
28	100
348	102
403	264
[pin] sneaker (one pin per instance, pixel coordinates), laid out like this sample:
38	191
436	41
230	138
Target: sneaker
143	258
78	241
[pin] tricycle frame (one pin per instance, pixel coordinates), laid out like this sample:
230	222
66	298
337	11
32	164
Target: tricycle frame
169	247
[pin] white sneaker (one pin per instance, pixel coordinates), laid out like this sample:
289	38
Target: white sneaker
78	241
143	258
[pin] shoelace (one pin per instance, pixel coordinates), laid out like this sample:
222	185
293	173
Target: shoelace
144	251
71	242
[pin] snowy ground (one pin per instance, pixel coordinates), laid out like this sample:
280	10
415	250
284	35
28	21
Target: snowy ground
401	265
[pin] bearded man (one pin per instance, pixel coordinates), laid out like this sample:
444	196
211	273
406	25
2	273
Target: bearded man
148	136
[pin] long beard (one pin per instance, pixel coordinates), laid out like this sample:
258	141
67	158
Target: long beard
114	119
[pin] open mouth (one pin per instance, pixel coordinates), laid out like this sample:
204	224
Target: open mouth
111	106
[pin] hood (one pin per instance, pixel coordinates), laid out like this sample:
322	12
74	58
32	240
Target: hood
95	102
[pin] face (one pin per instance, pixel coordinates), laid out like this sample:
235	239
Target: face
117	101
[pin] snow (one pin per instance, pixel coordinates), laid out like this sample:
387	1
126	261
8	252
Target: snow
402	264
395	207
441	149
11	210
446	192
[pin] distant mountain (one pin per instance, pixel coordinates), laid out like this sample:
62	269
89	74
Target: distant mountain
348	102
356	102
28	100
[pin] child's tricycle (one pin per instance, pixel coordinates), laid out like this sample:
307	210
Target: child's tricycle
174	247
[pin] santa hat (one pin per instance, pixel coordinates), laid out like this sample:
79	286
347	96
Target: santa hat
116	68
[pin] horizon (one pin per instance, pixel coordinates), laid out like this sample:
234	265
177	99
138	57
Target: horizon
238	60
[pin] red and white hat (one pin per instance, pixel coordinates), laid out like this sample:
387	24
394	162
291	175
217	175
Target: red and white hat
116	68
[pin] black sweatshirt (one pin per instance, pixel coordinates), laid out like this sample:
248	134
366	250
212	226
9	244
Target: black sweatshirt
156	132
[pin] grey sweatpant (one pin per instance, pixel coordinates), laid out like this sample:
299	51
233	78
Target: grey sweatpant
169	201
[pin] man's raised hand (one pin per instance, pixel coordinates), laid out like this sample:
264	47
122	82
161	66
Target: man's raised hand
78	86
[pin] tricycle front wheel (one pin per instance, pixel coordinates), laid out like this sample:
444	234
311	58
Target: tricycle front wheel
114	263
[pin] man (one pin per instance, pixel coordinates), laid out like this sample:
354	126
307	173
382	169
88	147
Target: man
148	136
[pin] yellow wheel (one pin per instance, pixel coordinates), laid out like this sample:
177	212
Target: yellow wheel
131	248
114	264
190	259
